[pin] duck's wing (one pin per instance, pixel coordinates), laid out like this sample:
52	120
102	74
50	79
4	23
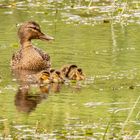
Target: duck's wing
44	55
17	56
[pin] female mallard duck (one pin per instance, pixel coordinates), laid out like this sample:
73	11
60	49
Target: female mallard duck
72	72
30	57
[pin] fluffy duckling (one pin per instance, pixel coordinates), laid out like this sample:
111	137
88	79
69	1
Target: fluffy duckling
56	76
44	77
52	76
30	57
72	72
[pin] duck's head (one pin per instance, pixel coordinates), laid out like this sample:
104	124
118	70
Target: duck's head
31	30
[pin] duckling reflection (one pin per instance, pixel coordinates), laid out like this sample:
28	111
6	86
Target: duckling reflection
72	72
53	87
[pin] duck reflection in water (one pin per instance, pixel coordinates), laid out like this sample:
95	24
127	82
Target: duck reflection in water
33	88
26	101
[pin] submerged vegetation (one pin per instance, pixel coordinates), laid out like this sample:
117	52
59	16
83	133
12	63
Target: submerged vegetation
99	35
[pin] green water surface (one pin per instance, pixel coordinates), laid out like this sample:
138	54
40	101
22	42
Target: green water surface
109	54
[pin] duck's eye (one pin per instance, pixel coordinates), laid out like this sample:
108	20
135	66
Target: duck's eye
34	28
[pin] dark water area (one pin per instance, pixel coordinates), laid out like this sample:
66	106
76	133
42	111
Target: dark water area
102	38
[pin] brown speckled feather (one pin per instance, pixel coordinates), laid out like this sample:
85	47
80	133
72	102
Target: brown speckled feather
35	59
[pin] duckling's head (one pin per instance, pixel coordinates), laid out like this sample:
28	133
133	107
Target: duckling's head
31	30
66	69
76	74
56	76
44	77
73	72
71	68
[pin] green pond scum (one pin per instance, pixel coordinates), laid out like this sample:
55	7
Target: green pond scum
100	36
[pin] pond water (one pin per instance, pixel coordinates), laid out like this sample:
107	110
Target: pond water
106	104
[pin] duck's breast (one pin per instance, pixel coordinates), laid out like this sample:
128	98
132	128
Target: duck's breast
32	59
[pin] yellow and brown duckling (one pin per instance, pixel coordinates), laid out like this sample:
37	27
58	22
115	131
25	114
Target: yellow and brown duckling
56	76
30	57
44	77
52	76
72	72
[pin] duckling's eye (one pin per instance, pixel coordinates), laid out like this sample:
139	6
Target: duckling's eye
58	73
52	70
79	70
41	79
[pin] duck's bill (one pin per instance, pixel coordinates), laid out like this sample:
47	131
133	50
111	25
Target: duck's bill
46	37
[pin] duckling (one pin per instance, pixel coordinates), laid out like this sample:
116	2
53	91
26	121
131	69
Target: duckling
72	72
56	76
44	77
30	57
